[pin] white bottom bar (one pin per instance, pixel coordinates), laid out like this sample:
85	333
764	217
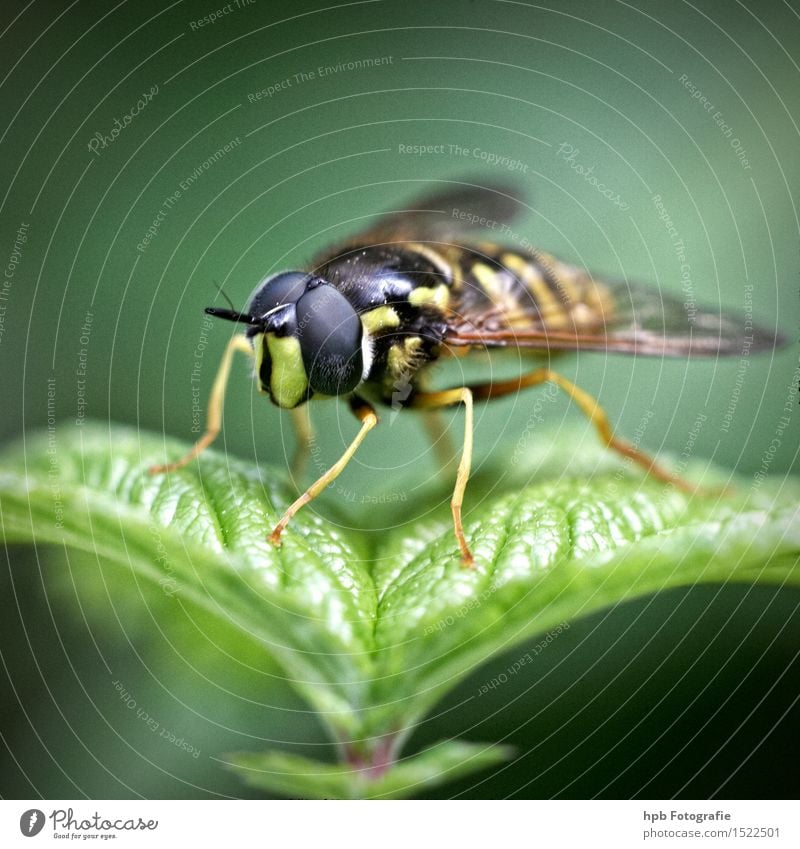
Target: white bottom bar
398	825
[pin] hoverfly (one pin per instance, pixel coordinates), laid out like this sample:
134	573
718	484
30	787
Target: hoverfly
371	316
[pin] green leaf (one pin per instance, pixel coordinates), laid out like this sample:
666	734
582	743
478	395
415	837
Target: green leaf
202	532
302	777
373	627
551	554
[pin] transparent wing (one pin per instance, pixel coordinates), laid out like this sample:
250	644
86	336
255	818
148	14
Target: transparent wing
633	319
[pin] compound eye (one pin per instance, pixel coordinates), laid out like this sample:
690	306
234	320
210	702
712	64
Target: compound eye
329	331
284	288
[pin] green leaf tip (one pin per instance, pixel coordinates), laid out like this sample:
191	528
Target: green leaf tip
287	774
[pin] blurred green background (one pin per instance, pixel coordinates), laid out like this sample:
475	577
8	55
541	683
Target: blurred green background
689	693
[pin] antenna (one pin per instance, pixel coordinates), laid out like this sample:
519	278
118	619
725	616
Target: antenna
233	315
224	295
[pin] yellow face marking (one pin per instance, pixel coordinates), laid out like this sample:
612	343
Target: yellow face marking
437	296
258	355
288	382
381	318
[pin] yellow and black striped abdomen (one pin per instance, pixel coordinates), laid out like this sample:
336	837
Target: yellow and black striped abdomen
519	289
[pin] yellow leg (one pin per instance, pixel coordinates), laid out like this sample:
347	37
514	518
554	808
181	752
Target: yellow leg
215	402
593	412
430	401
368	418
304	431
485	392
